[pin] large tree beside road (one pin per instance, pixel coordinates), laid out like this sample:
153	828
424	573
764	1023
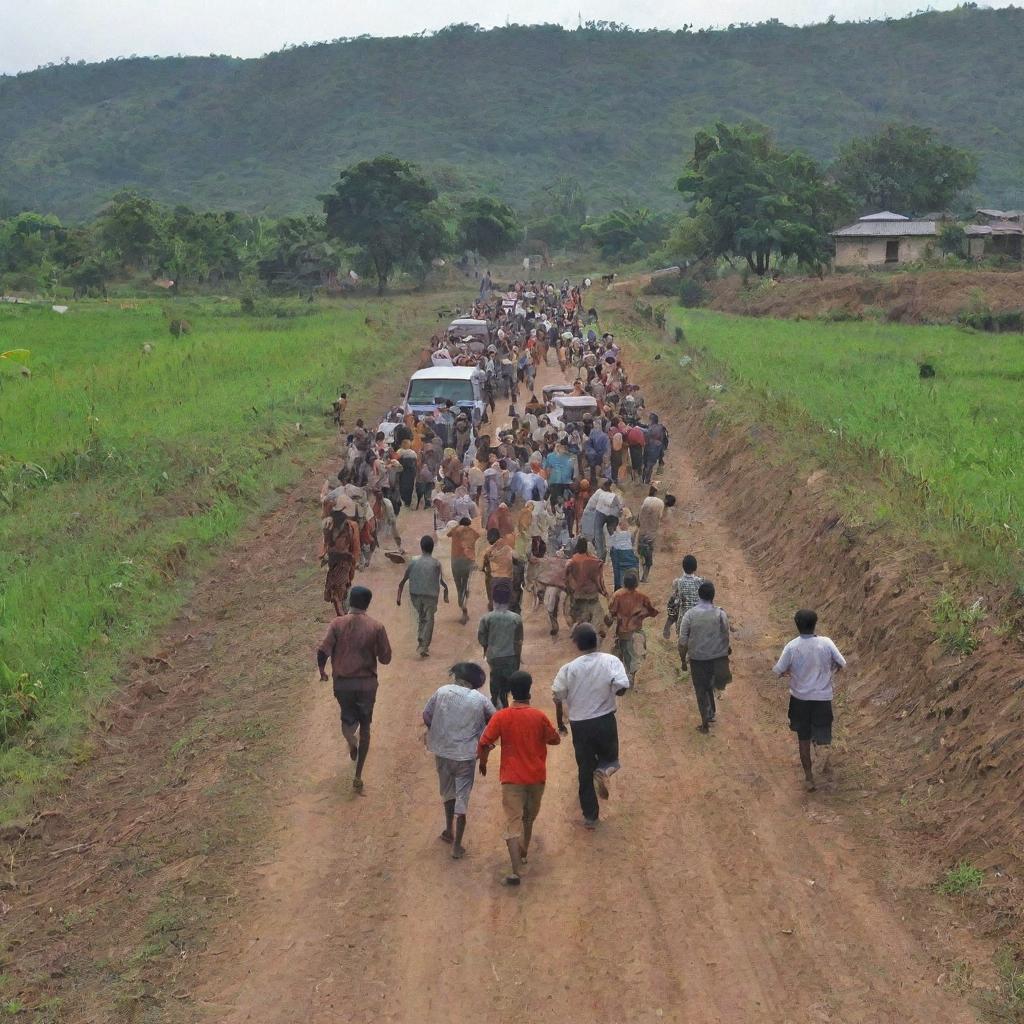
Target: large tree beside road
755	201
385	207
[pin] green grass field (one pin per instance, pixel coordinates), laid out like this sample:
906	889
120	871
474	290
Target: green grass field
958	436
120	470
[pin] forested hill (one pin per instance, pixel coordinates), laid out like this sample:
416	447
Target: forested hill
506	110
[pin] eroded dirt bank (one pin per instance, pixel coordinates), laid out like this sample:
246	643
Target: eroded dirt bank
938	735
935	296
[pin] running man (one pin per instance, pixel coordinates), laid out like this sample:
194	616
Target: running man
426	580
498	563
525	733
584	583
455	717
810	661
589	685
500	634
627	609
355	645
652	510
463	540
704	642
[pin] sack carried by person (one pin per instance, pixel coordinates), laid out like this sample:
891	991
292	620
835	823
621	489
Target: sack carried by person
722	673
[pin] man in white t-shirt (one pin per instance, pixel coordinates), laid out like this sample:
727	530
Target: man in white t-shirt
811	662
588	685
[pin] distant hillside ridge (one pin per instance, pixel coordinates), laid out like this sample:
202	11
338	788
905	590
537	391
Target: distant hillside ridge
505	111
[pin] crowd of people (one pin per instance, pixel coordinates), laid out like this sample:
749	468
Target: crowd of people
540	508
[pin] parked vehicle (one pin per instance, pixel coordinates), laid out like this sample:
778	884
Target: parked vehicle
459	384
572	409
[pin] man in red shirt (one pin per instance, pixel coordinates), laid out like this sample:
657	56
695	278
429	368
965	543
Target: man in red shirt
525	734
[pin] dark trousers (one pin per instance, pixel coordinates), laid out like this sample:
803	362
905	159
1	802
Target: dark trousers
703	676
501	669
596	744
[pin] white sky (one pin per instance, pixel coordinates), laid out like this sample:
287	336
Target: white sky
35	32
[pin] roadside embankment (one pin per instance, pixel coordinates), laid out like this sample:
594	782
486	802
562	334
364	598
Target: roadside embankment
934	713
910	297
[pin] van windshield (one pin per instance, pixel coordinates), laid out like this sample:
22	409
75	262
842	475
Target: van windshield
427	392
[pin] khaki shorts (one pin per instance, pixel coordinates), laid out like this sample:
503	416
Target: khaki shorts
521	804
455	781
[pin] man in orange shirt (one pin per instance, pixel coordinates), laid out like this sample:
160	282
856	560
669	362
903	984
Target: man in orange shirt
627	609
525	734
463	540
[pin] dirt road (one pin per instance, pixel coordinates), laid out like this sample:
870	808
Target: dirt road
714	892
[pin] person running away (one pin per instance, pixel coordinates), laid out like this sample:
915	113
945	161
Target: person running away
455	717
355	645
525	733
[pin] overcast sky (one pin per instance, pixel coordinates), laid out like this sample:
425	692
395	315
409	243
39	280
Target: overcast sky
35	32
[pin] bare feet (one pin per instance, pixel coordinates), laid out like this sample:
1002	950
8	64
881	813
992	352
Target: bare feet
703	728
357	784
446	837
458	852
353	751
809	784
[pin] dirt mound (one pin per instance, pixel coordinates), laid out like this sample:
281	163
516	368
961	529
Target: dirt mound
934	296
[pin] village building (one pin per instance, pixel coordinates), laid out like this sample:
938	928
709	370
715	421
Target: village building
885	239
996	233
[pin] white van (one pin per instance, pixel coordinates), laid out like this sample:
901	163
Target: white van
459	384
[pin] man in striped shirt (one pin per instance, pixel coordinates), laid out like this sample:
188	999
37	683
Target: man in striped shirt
683	596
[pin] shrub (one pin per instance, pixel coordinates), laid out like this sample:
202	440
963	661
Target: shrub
667	284
18	697
180	327
964	877
955	624
692	293
839	315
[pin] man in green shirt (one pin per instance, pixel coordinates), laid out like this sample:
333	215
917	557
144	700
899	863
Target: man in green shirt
500	634
426	580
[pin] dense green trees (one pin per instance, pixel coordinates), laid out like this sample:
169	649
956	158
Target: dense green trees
905	169
488	226
385	207
627	234
607	107
754	200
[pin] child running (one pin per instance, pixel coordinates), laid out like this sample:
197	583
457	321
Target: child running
525	734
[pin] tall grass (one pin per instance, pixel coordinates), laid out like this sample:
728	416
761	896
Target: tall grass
959	435
139	464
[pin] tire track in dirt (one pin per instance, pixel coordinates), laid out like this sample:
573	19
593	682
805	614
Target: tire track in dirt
692	903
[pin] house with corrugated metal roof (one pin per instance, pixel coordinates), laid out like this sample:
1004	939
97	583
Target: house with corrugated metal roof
885	239
996	233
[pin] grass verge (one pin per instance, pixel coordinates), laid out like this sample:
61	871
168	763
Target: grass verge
957	437
122	469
